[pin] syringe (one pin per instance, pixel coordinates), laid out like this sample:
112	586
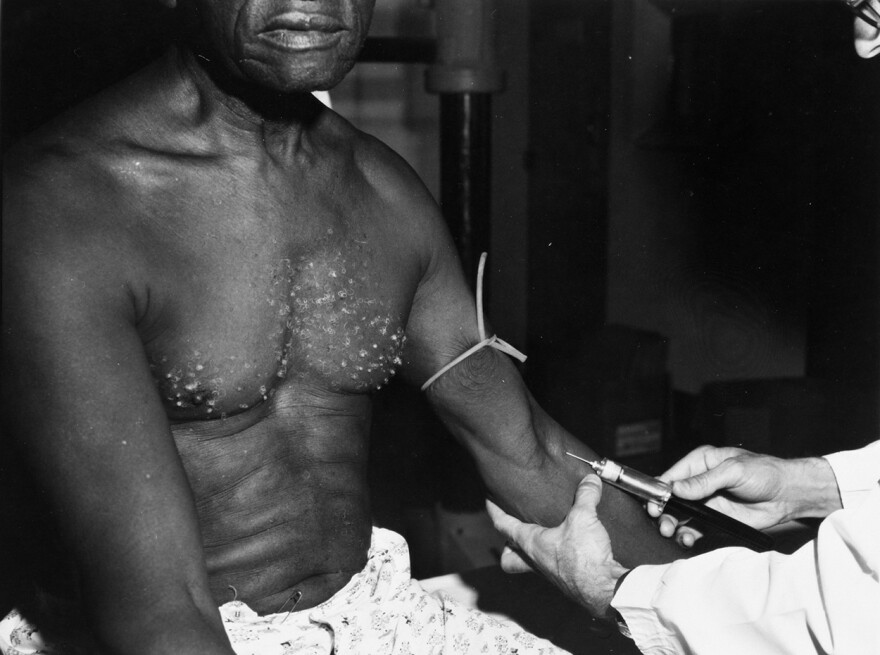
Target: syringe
657	491
630	480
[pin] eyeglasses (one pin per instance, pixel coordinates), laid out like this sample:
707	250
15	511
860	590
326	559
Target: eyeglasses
863	9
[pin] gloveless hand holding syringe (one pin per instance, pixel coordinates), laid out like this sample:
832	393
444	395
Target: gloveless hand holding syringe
657	491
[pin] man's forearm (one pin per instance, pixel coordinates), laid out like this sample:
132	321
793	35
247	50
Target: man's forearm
634	536
520	452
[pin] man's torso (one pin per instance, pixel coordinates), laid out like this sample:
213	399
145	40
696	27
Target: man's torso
273	298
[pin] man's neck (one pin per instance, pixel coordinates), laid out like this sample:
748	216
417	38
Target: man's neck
276	121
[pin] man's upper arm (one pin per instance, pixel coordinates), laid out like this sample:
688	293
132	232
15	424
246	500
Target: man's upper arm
442	319
81	407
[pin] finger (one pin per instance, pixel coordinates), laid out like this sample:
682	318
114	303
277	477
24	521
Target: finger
687	536
513	562
667	525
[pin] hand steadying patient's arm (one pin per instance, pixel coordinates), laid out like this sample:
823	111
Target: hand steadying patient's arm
82	407
576	555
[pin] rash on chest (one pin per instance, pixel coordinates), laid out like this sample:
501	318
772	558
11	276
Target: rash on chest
338	324
316	319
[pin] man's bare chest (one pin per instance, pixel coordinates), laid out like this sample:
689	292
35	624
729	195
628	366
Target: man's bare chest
242	321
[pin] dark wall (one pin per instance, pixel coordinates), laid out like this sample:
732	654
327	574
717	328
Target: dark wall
569	88
705	169
784	177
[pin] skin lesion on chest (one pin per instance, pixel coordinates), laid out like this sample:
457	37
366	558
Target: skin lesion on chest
339	330
319	321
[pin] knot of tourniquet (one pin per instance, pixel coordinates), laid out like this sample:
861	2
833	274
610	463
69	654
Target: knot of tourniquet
491	342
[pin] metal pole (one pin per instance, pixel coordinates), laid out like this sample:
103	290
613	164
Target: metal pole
465	75
465	168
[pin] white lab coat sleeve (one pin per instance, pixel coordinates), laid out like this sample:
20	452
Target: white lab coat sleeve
857	472
824	598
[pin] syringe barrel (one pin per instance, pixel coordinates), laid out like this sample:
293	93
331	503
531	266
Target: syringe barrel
643	486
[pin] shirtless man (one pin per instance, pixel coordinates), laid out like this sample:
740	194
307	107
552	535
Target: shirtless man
207	275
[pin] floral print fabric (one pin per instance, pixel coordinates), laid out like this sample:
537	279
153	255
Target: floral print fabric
381	611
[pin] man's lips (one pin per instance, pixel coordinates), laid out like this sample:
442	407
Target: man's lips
301	22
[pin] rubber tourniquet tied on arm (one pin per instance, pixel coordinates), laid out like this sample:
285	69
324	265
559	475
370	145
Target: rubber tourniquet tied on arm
492	342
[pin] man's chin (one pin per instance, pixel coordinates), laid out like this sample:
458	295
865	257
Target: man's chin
315	76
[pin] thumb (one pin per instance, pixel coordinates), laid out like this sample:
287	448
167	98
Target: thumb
588	492
513	562
515	530
705	484
503	522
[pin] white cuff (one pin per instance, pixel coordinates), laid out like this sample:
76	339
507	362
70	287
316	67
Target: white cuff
857	473
635	602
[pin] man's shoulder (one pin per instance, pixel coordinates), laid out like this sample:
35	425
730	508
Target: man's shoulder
411	210
391	177
52	174
46	159
379	161
81	159
60	199
92	137
59	242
